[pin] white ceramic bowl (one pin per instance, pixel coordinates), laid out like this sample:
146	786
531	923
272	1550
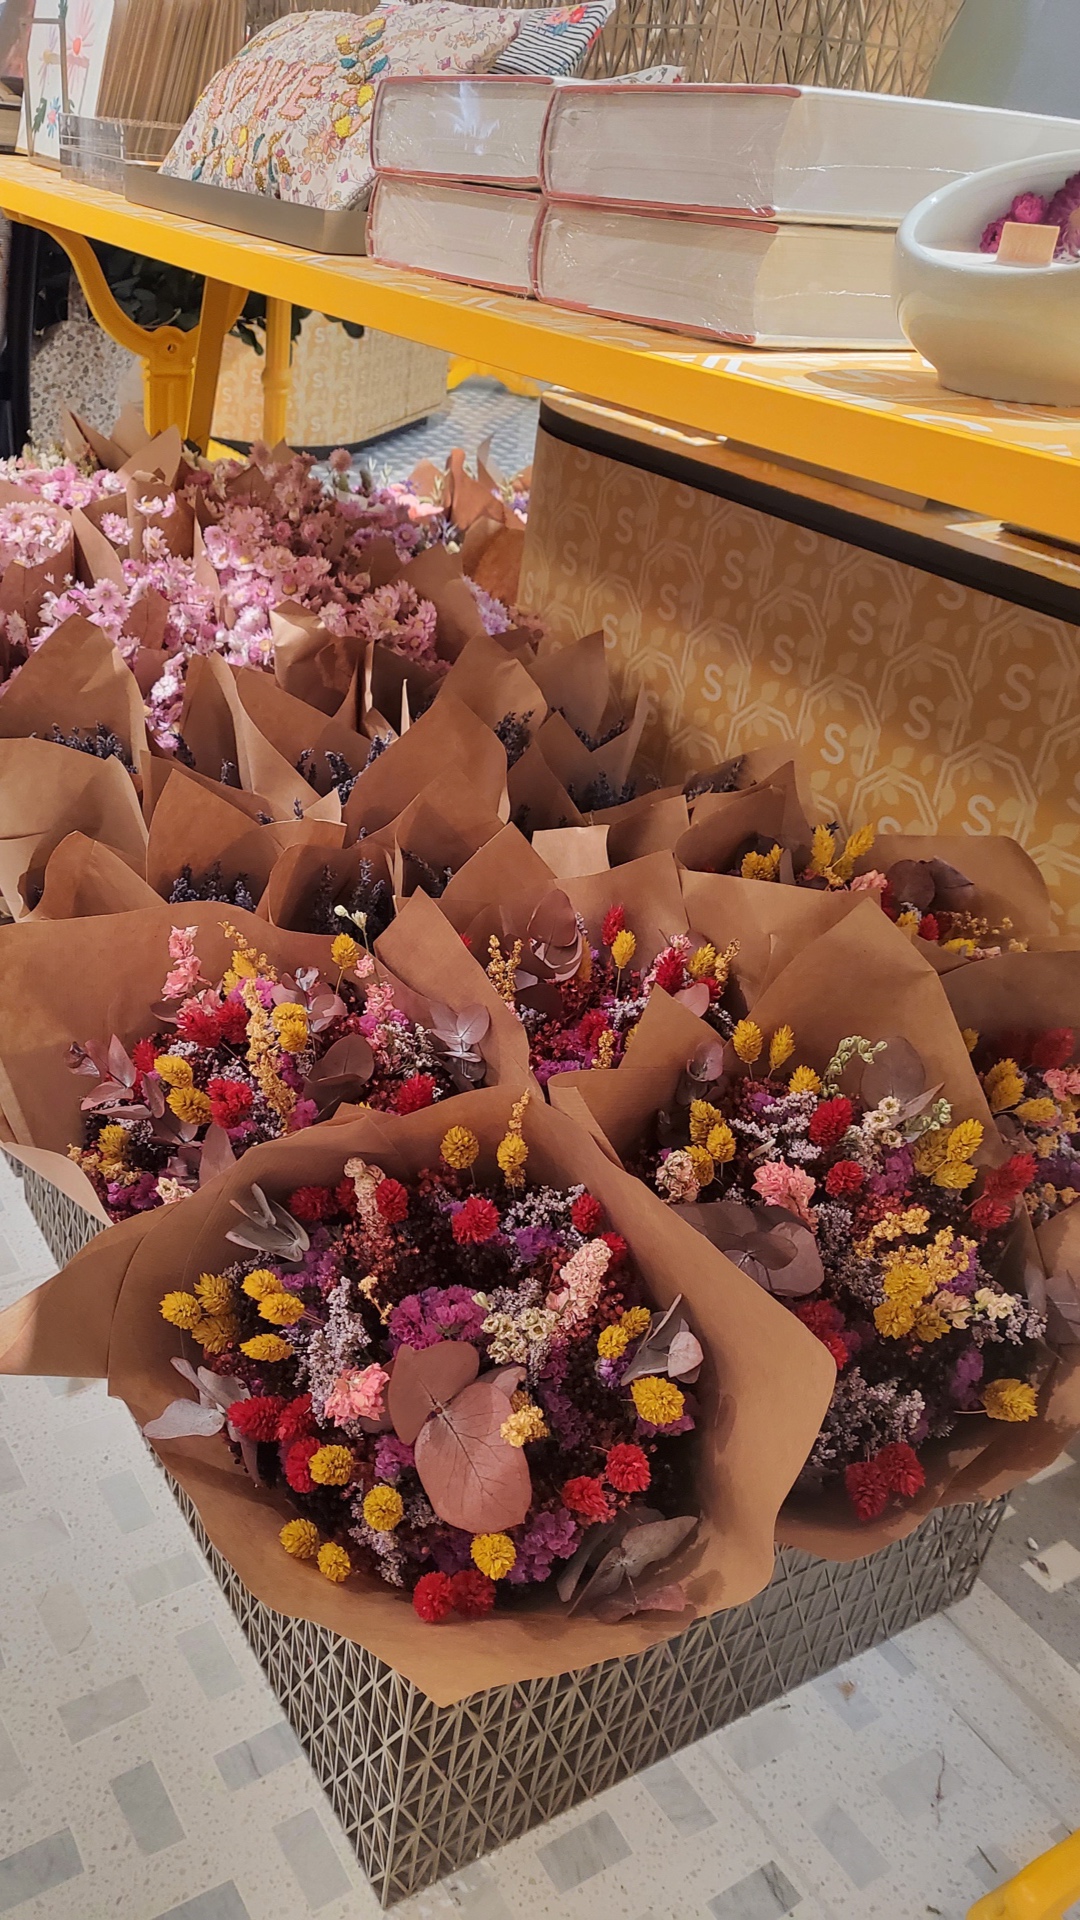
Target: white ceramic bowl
1007	333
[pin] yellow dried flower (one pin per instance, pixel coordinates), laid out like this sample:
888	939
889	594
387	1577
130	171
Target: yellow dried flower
494	1554
929	1323
703	1118
804	1080
460	1147
291	1026
511	1154
267	1347
345	951
181	1310
300	1538
384	1508
907	1282
175	1071
281	1309
1010	1400
525	1424
964	1140
215	1332
855	846
894	1318
1003	1086
702	961
215	1292
930	1152
112	1142
761	866
908	922
244	967
702	1162
781	1047
635	1321
721	1144
333	1562
502	968
190	1106
658	1401
748	1041
822	851
605	1051
261	1283
623	948
970	1038
954	1175
612	1342
1040	1113
331	1466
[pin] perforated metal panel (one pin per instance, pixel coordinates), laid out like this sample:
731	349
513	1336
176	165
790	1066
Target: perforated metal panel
421	1790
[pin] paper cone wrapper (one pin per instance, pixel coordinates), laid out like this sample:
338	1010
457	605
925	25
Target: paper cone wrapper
47	1002
310	662
84	879
23	589
217	729
442	828
492	556
772	924
1008	885
538	799
76	679
47	792
292	727
423	953
298	874
193	827
1018	993
447	736
493	683
721	822
763	1391
437	575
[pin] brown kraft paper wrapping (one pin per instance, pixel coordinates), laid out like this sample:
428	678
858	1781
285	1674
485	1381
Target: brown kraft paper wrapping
861	977
448	736
422	952
83	879
47	792
76	679
764	1388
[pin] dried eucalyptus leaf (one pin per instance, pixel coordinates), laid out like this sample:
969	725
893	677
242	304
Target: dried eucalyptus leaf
896	1073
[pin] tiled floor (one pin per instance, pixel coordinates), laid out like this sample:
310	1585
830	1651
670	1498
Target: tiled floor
146	1771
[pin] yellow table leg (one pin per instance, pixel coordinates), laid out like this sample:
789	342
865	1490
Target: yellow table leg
1042	1891
222	306
276	374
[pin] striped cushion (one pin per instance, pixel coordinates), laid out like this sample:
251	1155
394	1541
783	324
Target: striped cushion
554	41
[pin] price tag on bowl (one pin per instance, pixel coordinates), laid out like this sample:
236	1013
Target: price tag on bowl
1023	244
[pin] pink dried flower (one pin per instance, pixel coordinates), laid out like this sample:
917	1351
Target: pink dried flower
872	882
579	1282
184	975
782	1186
358	1393
1029	208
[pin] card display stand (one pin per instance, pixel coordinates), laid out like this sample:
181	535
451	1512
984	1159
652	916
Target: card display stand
421	1790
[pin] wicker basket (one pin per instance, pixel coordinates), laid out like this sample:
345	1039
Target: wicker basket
879	46
342	391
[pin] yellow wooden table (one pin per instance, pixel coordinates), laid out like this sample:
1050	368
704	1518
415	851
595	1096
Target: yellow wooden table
879	417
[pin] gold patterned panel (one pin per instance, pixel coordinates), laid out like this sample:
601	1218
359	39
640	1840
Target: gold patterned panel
342	390
916	703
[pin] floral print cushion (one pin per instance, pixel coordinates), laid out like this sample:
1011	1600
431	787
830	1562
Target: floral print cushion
290	117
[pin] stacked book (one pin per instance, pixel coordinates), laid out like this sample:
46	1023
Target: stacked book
763	216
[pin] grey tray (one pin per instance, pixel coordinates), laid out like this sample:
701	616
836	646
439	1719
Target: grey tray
343	231
421	1790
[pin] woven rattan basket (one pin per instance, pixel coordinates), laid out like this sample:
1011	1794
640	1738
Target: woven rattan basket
880	46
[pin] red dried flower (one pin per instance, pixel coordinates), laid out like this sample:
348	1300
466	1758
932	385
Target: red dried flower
586	1213
415	1093
296	1464
433	1597
868	1488
345	1196
258	1417
902	1469
230	1101
143	1055
844	1178
591	1026
821	1316
989	1213
668	973
929	928
613	923
617	1246
296	1420
586	1496
830	1121
472	1593
1053	1049
201	1024
626	1469
311	1203
475	1222
837	1347
391	1201
234	1020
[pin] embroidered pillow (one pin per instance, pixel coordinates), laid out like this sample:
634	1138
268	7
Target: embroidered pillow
290	117
555	41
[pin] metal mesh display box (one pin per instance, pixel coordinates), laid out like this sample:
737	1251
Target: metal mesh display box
422	1789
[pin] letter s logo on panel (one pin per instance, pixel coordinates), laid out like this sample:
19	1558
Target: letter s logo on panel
981	813
863	623
836	736
782	654
667	602
1018	679
712	681
920	711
